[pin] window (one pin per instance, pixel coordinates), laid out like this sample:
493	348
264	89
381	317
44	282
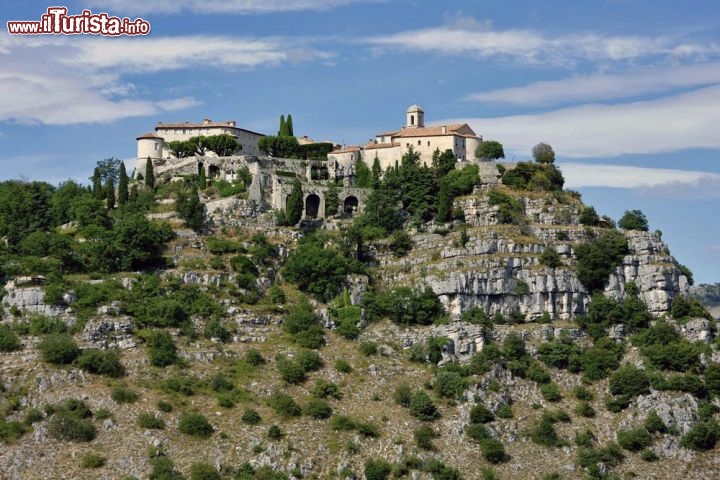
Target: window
428	143
412	119
418	143
156	145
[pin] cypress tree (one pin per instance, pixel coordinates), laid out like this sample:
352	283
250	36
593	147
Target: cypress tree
289	126
281	131
194	211
295	203
202	178
133	192
149	174
97	189
123	193
110	194
332	201
376	172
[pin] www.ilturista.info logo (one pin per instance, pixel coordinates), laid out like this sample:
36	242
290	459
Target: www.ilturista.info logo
57	22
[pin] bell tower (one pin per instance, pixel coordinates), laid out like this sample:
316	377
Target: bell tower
415	117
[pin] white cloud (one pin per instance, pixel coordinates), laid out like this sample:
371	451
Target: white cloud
154	54
59	81
243	7
687	120
604	86
468	37
579	175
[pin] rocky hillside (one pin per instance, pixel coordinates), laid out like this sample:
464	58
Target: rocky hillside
478	348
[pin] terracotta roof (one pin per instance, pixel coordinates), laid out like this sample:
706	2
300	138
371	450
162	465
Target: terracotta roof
161	125
387	134
454	129
349	149
373	146
148	135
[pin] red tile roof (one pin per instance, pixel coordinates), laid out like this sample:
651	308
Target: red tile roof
148	135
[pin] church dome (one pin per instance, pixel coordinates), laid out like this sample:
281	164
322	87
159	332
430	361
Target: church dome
415	108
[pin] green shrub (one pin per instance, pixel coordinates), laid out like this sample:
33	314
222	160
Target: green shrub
481	414
251	417
368	348
303	327
64	425
342	366
254	357
477	432
403	394
424	437
203	471
150	421
654	424
591	459
12	430
214	329
163	469
493	450
649	456
124	395
196	425
449	384
504	411
101	362
422	407
325	389
310	361
274	432
9	342
183	385
164	406
703	436
59	349
290	371
537	374
93	460
599	257
367	429
33	415
318	409
634	440
582	393
401	243
284	405
161	349
550	258
543	433
551	392
377	469
42	325
629	380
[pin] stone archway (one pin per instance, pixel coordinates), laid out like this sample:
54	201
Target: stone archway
350	205
312	206
213	171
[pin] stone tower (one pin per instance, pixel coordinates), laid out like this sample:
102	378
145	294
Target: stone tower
415	117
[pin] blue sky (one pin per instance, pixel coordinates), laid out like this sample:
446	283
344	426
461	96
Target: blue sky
626	91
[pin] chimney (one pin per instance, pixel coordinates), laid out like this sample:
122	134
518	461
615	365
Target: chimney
206	121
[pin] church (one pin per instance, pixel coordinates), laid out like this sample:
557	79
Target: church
389	147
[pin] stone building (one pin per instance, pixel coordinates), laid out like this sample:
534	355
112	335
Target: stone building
389	147
152	144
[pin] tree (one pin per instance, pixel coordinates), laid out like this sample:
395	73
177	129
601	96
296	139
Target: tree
149	174
289	126
376	172
332	201
97	190
282	131
294	207
633	220
598	258
489	150
190	209
223	145
202	178
444	162
543	153
109	168
123	193
182	149
110	194
363	175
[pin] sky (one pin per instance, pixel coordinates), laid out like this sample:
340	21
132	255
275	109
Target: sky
626	91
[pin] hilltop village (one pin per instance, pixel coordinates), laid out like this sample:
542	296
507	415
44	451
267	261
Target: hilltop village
331	163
